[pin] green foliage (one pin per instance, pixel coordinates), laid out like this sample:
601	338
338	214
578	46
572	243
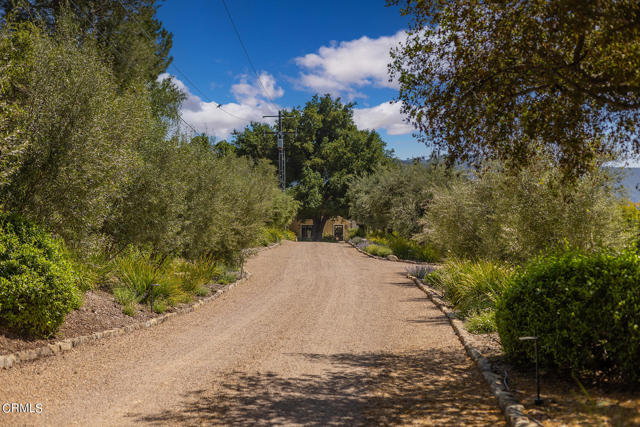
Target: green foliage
471	287
283	209
631	218
139	44
77	129
159	306
514	216
227	276
37	280
326	154
194	275
271	235
378	250
137	271
396	197
353	233
506	79
585	309
127	299
481	323
408	249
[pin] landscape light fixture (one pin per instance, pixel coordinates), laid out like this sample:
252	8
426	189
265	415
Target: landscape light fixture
537	401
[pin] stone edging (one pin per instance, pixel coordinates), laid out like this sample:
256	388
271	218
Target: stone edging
10	360
407	261
510	406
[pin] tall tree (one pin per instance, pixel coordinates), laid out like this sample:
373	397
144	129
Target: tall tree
500	79
132	37
322	159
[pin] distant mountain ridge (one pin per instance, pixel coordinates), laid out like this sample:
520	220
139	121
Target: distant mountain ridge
631	182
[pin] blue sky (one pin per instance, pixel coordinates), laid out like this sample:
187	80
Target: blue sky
298	48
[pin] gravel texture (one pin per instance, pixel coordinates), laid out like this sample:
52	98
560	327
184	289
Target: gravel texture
318	335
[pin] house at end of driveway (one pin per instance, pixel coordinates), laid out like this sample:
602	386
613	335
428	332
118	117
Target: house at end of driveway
336	228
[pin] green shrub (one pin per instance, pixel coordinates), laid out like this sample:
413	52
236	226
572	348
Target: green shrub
37	281
584	307
378	250
270	235
355	232
227	276
159	306
201	291
290	235
328	238
408	249
471	287
127	299
513	217
481	323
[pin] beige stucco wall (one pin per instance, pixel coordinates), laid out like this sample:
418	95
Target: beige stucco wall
296	226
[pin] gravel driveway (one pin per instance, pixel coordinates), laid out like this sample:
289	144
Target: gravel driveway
319	335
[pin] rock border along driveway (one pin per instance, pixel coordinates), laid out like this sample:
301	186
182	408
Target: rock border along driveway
10	360
510	406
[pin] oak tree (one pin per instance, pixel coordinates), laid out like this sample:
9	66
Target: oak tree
501	79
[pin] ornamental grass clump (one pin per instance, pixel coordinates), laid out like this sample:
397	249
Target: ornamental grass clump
472	287
585	309
138	271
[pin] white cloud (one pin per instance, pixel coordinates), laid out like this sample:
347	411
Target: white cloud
385	116
349	65
220	120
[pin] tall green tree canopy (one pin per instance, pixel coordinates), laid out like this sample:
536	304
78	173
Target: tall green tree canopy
128	30
322	159
499	79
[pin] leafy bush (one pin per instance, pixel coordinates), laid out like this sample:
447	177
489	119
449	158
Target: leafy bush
37	281
408	249
512	217
227	277
471	287
352	233
481	323
585	309
378	250
290	235
395	197
270	235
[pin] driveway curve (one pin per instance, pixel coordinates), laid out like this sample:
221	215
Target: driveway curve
319	335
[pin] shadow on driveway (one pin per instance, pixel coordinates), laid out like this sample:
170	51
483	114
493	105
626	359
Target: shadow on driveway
434	387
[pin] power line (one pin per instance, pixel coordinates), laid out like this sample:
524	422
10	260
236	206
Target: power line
246	53
120	54
182	73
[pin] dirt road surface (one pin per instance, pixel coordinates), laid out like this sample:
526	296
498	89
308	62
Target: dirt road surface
319	335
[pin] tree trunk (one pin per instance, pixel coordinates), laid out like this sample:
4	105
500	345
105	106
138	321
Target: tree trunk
318	227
